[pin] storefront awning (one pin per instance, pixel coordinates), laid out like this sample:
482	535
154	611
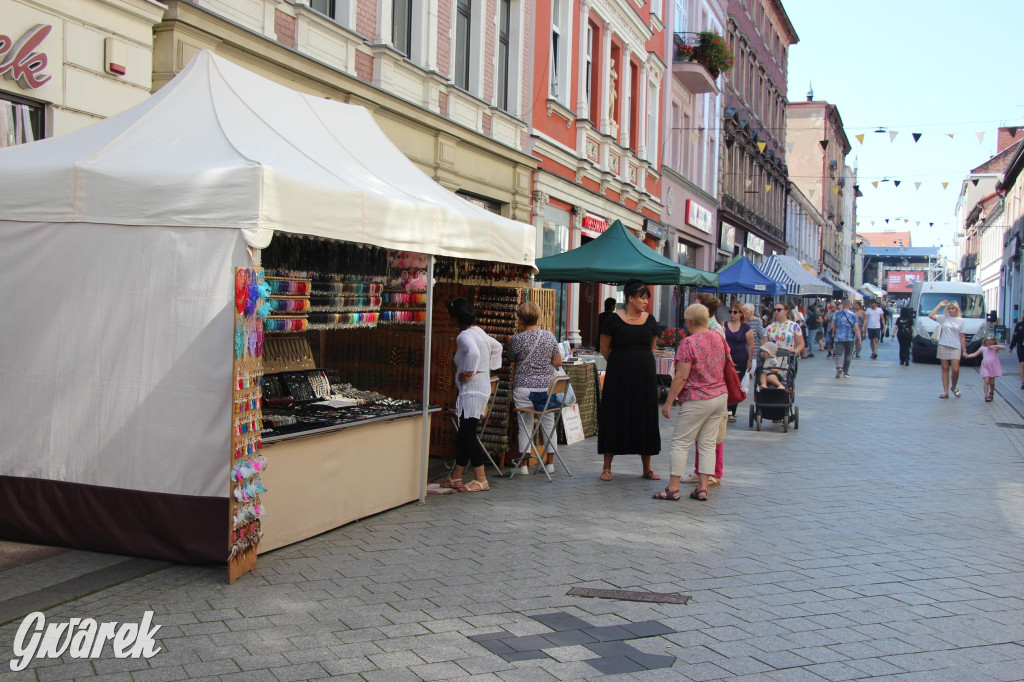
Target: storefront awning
790	272
220	146
616	256
871	291
841	289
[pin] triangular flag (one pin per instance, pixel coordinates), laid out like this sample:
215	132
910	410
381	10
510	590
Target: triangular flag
872	223
767	188
1012	130
931	224
857	224
790	146
950	135
860	138
981	137
824	144
918	223
747	183
945	185
835	190
896	183
975	182
886	221
917	185
893	134
761	146
874	183
917	136
694	136
906	220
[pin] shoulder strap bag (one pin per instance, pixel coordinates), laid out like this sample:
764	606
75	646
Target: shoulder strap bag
732	379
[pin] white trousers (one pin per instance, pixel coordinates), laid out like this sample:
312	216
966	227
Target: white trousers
698	422
521	398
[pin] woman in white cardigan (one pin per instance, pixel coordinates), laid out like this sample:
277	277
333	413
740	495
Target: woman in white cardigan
476	355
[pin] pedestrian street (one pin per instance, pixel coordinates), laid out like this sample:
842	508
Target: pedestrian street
883	539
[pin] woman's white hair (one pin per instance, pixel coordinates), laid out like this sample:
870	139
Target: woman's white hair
748	309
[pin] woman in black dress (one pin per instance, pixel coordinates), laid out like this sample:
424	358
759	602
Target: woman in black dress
628	414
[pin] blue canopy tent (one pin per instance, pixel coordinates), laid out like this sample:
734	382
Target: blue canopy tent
742	277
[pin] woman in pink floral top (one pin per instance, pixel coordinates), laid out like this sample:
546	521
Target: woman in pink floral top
699	382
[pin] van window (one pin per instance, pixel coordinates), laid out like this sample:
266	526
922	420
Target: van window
971	305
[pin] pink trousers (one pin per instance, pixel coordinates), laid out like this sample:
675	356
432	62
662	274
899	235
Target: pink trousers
719	459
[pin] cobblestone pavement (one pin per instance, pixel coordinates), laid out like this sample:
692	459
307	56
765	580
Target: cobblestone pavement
883	539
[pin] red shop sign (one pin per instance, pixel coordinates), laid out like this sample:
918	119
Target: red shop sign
594	224
18	60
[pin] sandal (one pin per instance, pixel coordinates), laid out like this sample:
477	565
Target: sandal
696	495
452	483
606	475
651	476
714	481
667	494
988	399
476	486
956	393
732	419
944	396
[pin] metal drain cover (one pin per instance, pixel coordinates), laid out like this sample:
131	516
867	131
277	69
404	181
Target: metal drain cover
1006	425
631	595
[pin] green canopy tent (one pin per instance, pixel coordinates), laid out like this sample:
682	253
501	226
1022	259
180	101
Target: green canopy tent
614	257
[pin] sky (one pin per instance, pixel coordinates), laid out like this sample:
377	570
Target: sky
912	66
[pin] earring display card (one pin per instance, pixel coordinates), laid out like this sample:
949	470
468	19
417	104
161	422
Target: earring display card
247	421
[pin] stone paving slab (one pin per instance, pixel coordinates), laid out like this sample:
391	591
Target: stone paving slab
882	539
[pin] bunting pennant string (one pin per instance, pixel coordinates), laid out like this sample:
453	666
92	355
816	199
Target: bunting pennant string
945	185
892	135
981	137
835	190
767	188
896	183
917	185
917	136
824	144
860	138
950	135
874	183
761	146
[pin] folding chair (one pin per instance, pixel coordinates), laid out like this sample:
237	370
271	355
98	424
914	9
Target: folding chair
450	464
559	385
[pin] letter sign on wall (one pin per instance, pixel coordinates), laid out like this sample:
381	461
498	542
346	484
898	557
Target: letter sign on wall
698	216
19	61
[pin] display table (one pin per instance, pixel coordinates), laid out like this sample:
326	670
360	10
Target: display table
325	479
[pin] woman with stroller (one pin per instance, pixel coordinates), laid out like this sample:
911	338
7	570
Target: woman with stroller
785	332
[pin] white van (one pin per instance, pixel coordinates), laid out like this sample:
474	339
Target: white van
923	299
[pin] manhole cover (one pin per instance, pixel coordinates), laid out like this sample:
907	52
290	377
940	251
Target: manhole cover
630	595
1010	426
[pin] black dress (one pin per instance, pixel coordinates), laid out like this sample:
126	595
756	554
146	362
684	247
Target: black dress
627	416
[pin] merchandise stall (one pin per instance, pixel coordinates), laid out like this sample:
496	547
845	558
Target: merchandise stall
133	419
614	257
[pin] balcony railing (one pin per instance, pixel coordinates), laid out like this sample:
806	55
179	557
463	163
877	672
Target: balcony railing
689	70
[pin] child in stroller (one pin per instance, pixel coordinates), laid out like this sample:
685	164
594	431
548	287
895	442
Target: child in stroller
772	368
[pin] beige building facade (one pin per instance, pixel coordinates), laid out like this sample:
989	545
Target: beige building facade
66	65
817	149
462	129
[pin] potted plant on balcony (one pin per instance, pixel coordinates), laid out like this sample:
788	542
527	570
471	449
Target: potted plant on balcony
713	53
684	52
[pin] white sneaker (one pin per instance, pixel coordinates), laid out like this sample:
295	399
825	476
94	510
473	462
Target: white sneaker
551	468
522	471
845	375
691	478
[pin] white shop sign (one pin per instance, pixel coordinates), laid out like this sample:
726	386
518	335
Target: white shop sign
755	244
698	216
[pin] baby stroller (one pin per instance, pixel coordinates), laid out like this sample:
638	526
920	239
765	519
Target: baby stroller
773	402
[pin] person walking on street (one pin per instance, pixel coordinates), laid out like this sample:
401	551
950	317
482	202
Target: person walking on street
1017	341
952	344
627	415
784	332
826	323
858	310
991	365
813	330
845	335
874	322
740	337
904	334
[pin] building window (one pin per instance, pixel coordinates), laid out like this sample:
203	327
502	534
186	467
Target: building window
504	41
324	7
593	90
401	27
590	61
556	36
680	26
20	122
463	23
652	124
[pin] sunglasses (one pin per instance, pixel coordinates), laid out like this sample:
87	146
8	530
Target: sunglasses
734	312
780	310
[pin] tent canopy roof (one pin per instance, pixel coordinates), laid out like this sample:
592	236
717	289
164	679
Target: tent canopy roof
845	290
741	276
790	272
220	146
616	256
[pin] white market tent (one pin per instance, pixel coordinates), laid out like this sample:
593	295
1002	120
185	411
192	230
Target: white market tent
847	291
118	244
792	274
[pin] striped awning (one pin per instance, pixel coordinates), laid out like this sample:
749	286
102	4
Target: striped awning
848	291
791	273
871	290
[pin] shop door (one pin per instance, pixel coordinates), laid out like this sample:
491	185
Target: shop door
590	308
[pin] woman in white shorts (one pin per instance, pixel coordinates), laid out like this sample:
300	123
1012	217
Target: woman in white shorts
952	345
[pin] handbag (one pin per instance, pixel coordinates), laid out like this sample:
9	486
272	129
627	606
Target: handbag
732	380
540	401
